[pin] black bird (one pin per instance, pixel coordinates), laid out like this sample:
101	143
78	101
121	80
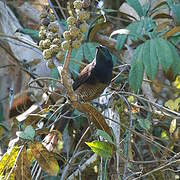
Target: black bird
91	82
96	76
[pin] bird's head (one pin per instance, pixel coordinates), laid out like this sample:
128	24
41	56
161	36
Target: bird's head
103	56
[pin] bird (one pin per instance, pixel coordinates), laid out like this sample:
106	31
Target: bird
90	83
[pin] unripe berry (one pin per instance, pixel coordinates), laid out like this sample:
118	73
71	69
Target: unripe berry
54	48
76	44
56	41
74	31
47	54
67	35
46	43
52	17
42	34
50	64
50	36
41	44
83	27
71	20
65	45
60	56
53	27
78	4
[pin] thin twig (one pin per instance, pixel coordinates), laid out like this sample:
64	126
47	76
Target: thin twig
64	174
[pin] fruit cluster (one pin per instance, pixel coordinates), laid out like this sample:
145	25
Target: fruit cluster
52	44
77	25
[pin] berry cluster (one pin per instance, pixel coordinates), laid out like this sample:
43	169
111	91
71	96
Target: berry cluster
52	44
76	25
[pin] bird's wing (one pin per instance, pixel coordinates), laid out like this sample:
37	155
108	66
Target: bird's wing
84	75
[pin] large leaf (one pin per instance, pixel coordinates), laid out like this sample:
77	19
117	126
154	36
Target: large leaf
134	31
176	60
176	13
46	159
164	53
121	39
96	117
7	163
150	59
135	4
101	148
23	167
137	69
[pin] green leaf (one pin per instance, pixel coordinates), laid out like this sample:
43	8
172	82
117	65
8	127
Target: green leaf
144	124
135	4
137	69
176	60
104	135
121	39
176	13
164	53
28	133
150	59
101	148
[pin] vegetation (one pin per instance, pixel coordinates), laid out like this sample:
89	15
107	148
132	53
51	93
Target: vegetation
133	130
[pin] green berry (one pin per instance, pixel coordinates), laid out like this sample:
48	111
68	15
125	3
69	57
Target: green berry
46	43
53	27
60	56
65	45
50	64
74	31
41	44
52	17
47	54
43	14
80	36
42	34
78	4
50	36
67	35
56	41
76	44
71	20
54	48
83	27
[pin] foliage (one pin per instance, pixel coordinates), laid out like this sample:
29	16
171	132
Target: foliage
133	127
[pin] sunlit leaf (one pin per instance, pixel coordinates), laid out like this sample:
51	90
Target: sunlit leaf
102	149
172	126
176	83
164	135
170	104
7	162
